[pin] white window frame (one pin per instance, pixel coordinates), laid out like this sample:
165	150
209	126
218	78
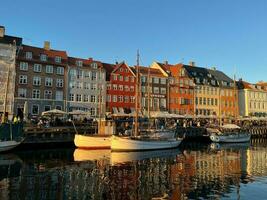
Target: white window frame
36	81
48	82
23	66
38	110
43	57
36	94
23	79
37	67
60	83
60	70
57	59
28	55
49	69
22	92
59	95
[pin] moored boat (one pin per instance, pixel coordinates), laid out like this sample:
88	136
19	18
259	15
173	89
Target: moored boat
229	133
92	141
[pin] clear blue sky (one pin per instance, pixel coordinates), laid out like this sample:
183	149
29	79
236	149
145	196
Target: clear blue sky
228	34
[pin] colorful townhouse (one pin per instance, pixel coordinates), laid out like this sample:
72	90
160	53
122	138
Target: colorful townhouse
9	46
153	84
214	92
40	79
180	88
86	86
120	89
252	99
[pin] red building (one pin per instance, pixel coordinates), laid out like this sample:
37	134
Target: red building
120	89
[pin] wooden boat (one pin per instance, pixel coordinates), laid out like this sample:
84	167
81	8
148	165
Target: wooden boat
92	141
229	133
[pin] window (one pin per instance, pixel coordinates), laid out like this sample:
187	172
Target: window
22	92
93	111
163	81
78	97
86	98
162	90
48	82
79	63
23	66
120	78
48	94
114	87
94	65
60	70
131	88
59	95
86	74
23	79
114	98
43	57
93	78
79	85
86	86
37	67
49	69
71	97
93	86
36	80
108	86
155	80
58	59
114	77
73	72
28	55
132	99
108	98
132	79
58	107
156	90
126	78
35	94
126	88
143	79
47	107
79	73
60	83
126	99
121	69
93	98
35	109
121	87
120	98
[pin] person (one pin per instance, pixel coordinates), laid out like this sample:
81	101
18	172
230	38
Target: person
15	120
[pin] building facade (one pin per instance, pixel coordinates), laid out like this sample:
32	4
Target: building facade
120	89
86	86
8	51
40	79
252	99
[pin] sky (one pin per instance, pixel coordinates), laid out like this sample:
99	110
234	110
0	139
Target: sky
230	35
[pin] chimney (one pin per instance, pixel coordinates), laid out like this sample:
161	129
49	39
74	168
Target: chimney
2	31
47	45
213	68
90	59
166	62
192	63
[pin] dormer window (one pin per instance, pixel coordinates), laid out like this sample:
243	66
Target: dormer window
182	72
58	59
94	65
209	75
121	69
28	55
79	63
43	57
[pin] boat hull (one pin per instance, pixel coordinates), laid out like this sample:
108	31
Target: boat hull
231	138
8	145
92	141
131	144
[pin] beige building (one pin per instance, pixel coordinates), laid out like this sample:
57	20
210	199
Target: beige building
252	99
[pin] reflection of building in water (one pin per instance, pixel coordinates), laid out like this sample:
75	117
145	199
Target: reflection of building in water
257	161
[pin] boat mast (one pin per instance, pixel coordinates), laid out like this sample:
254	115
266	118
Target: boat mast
99	100
136	95
148	97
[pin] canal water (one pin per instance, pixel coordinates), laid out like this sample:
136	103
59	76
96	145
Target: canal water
194	171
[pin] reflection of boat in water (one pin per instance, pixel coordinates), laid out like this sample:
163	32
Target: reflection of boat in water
84	155
236	146
10	166
130	156
229	133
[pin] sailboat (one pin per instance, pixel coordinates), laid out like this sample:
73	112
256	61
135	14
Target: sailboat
228	133
100	140
140	142
11	135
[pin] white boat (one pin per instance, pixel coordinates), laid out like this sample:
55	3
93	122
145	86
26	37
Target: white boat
92	141
126	157
229	133
91	155
8	145
142	143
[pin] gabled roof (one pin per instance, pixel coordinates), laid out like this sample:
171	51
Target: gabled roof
120	65
246	85
145	70
109	68
220	76
36	51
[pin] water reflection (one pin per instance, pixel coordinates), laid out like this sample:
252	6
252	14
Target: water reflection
195	171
